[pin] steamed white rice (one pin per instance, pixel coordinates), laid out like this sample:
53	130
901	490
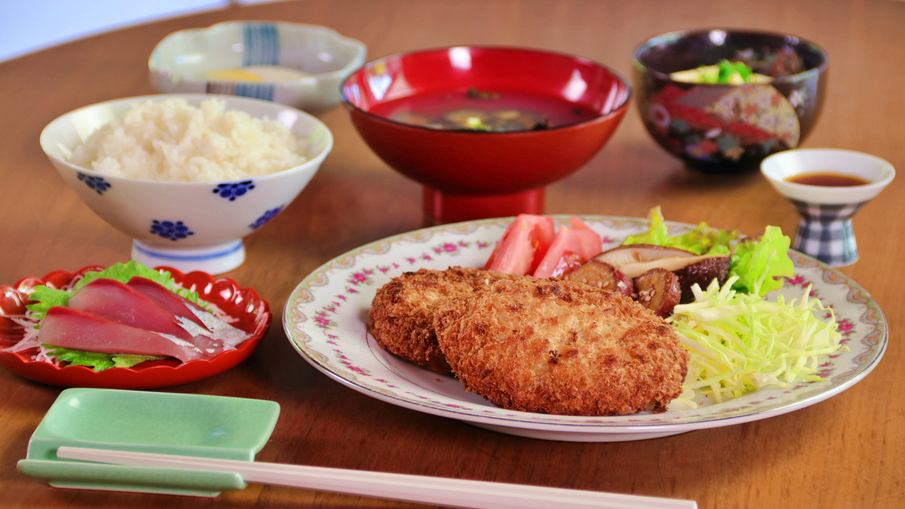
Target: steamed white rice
175	141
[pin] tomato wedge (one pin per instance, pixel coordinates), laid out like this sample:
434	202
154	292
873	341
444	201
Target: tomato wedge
572	246
523	245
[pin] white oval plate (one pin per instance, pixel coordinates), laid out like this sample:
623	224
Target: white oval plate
326	315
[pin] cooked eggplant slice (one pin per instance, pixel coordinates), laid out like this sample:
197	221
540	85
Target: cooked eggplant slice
658	290
602	275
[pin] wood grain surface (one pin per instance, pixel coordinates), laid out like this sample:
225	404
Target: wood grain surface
848	451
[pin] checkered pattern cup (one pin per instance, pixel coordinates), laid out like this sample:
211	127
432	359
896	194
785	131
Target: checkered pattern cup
825	228
825	232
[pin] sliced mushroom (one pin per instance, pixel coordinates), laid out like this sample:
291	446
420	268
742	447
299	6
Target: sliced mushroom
636	259
702	273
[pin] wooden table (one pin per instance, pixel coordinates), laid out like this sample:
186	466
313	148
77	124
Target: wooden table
845	452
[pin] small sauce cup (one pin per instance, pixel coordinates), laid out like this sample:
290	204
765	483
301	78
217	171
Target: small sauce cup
825	228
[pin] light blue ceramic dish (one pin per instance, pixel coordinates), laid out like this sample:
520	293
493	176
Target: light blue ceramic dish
183	424
182	60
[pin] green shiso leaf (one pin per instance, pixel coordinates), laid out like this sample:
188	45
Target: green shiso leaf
47	298
98	361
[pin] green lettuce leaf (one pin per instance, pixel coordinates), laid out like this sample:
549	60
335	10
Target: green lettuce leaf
702	240
98	361
761	265
657	233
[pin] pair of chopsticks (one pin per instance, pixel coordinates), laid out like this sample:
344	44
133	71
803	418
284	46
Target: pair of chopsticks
409	488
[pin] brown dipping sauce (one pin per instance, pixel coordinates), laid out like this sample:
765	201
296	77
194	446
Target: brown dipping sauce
828	179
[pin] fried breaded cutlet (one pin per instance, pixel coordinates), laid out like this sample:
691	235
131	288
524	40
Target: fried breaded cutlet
561	347
401	317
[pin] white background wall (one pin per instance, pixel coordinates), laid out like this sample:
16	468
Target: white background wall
31	25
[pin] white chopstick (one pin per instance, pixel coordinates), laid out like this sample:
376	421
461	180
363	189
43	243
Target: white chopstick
410	488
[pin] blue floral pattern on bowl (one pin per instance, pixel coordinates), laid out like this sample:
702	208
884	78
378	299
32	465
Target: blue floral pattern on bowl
173	230
97	183
267	216
233	190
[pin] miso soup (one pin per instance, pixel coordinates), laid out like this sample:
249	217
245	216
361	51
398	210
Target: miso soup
475	110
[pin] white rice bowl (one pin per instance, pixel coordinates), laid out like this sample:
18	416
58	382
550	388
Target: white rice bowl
190	214
171	140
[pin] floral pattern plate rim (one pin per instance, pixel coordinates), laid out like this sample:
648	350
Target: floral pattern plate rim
325	320
249	312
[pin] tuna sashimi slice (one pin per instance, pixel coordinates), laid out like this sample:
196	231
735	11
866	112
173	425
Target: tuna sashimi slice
208	324
69	328
176	304
117	302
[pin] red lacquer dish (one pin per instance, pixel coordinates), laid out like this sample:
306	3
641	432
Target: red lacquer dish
473	174
249	312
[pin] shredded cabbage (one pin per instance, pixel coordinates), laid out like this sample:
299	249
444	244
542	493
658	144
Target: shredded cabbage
739	342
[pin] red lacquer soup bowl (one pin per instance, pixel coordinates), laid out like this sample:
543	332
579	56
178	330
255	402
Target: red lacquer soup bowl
474	169
246	311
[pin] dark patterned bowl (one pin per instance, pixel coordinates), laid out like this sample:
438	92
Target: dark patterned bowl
719	128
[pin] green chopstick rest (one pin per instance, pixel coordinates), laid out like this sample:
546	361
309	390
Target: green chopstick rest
166	423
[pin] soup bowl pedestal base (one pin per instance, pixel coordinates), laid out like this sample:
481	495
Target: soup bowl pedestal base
453	208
